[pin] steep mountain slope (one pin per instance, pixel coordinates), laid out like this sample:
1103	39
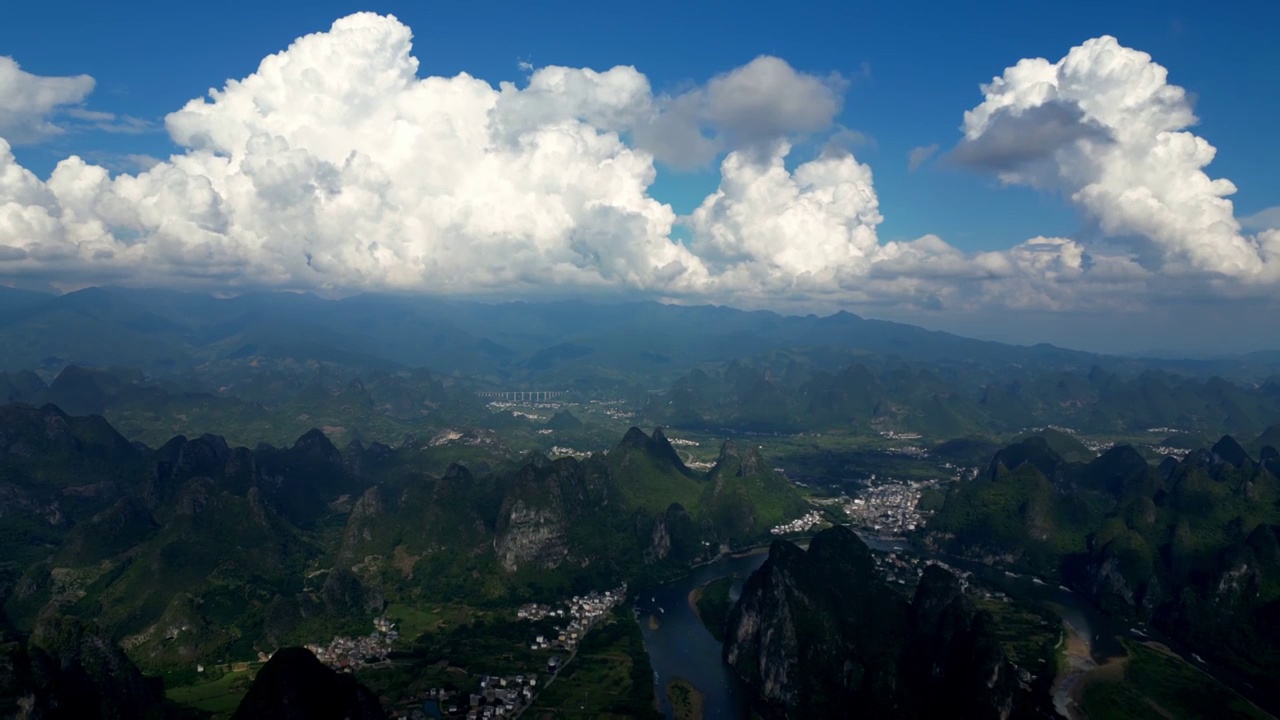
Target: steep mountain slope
818	634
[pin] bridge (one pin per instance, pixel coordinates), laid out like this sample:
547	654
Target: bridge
522	395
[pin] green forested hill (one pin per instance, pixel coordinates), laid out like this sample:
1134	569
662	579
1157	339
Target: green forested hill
948	402
200	551
1189	545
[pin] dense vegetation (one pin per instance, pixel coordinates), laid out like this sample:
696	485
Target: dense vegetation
201	552
790	394
1191	546
714	603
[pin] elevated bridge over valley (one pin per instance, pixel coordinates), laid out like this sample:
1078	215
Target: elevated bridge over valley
522	395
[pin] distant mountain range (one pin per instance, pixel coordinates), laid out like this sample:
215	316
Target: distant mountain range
560	344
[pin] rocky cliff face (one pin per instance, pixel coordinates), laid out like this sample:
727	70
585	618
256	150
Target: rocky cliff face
533	523
364	526
817	634
659	541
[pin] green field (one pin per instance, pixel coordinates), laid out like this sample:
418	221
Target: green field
220	696
416	620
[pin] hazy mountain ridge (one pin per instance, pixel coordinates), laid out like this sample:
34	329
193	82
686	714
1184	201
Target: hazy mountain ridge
791	396
573	344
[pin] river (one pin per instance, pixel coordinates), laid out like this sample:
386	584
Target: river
680	647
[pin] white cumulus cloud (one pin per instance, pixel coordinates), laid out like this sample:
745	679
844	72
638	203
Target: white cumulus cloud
28	102
335	166
1104	127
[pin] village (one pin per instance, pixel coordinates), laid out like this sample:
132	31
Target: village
582	612
559	451
890	509
350	653
804	523
1173	452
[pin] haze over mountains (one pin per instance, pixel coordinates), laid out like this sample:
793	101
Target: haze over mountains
167	332
269	367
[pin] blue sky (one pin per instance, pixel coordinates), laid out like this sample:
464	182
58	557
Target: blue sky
914	68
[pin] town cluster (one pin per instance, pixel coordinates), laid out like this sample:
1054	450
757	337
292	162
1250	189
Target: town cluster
612	412
349	653
1098	446
507	404
559	451
801	524
889	510
1173	452
582	612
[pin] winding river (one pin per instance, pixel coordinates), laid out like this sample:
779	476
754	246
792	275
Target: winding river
680	647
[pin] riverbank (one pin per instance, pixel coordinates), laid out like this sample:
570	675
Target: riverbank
1075	663
711	603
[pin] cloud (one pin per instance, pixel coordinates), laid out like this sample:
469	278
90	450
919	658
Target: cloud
1104	127
335	167
747	108
110	122
29	102
1268	219
1017	141
920	155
